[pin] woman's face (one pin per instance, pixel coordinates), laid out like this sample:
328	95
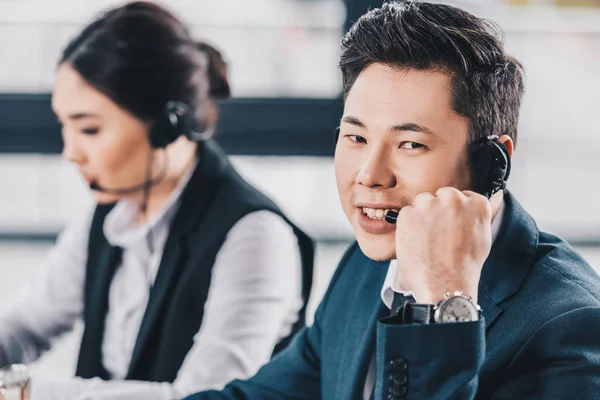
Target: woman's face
109	144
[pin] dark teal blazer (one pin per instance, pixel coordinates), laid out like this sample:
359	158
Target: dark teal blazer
539	339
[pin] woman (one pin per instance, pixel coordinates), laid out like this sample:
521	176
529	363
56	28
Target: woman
185	276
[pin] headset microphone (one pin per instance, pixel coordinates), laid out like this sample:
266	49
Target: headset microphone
391	217
147	184
132	189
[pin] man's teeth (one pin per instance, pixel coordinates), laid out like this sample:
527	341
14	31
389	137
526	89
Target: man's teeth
377	213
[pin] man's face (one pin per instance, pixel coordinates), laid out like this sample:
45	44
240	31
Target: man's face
399	137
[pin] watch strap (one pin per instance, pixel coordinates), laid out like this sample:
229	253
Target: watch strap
415	313
399	302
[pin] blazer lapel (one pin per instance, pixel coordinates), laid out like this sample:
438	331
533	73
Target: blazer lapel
195	203
358	347
510	259
491	311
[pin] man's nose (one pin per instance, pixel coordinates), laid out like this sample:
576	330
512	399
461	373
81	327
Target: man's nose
376	171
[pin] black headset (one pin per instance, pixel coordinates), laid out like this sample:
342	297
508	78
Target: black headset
491	164
490	161
175	120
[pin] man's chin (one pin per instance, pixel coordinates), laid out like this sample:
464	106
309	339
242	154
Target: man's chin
376	251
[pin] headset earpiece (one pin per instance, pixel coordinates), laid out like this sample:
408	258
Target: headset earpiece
491	167
501	162
174	121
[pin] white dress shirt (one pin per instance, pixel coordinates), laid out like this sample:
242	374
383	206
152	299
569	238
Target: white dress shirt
387	296
253	301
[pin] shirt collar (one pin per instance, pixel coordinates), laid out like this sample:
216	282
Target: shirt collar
387	291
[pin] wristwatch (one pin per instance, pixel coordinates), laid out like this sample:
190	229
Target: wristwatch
14	378
453	308
456	308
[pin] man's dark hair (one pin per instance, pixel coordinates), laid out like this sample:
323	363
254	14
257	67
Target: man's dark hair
487	83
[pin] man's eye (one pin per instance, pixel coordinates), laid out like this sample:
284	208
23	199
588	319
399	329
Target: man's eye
411	145
357	139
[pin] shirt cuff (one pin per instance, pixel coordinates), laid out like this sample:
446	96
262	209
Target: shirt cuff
405	293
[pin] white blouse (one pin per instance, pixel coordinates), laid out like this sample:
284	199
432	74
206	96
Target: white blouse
253	301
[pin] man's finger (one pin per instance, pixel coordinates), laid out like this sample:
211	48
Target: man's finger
471	194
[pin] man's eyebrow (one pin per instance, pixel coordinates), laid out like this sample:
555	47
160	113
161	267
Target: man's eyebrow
411	126
353	121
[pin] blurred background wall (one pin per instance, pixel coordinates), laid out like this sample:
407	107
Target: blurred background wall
283	71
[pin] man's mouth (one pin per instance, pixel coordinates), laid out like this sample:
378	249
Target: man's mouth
377	213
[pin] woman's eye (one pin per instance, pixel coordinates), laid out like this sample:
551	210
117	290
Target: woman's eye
411	145
90	131
357	139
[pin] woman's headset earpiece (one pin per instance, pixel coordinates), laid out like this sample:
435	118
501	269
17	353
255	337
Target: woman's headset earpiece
175	120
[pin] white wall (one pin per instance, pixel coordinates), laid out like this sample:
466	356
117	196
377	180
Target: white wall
288	47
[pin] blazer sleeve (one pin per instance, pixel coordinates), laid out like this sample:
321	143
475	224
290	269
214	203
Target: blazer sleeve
434	362
560	360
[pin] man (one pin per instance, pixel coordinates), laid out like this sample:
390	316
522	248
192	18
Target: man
429	91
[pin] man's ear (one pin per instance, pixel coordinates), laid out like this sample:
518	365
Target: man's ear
508	143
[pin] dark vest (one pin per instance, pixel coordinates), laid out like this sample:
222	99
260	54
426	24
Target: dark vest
212	202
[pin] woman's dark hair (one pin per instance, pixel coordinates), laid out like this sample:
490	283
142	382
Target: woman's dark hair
141	56
217	72
487	83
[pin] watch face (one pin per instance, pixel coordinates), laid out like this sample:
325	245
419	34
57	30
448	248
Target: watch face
457	309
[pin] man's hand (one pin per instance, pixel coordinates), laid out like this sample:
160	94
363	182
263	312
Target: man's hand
442	242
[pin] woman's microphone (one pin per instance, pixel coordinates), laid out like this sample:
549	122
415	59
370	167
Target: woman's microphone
132	189
147	184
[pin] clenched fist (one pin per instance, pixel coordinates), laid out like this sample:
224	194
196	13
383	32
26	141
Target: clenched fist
442	242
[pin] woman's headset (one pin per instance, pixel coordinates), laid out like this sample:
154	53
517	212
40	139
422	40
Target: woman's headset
175	120
491	164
